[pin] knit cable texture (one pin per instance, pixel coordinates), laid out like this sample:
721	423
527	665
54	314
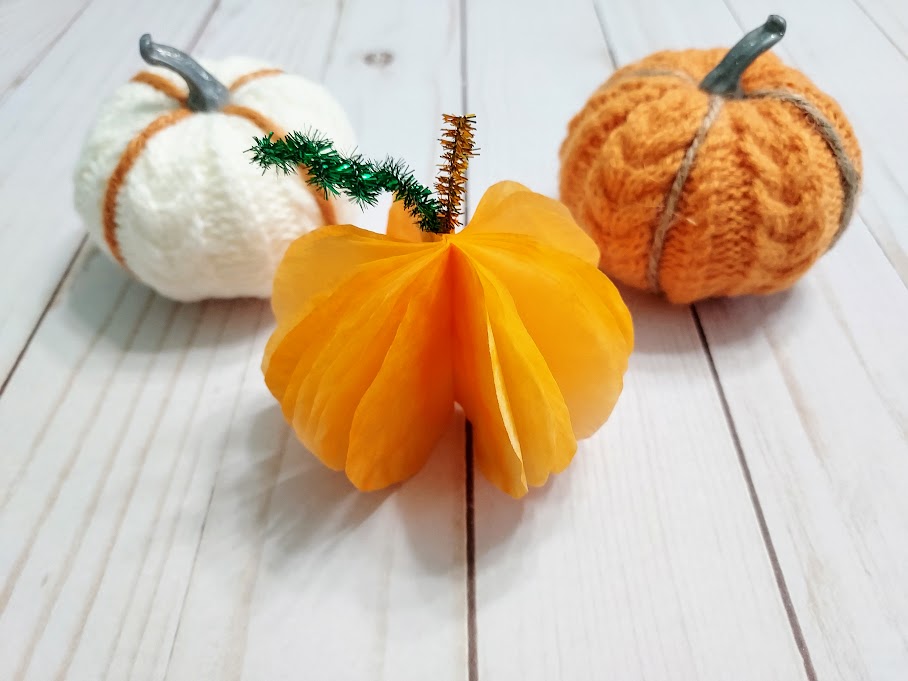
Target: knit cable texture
698	197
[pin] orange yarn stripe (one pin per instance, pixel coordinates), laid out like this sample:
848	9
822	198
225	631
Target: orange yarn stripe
255	75
137	145
127	160
161	84
169	88
266	125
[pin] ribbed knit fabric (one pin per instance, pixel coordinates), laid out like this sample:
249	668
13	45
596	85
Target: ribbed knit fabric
766	185
172	196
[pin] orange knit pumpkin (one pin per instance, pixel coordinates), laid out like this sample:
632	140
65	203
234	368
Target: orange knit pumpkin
698	180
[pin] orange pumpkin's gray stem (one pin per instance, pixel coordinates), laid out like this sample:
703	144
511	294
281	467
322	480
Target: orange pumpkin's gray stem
206	93
725	79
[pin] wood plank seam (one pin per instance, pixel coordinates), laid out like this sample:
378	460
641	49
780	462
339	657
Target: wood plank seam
76	541
782	586
791	386
172	529
17	476
470	526
214	484
90	604
881	27
99	488
603	28
31	66
102	644
794	623
335	32
241	633
848	335
327	62
58	289
147	545
198	545
203	26
469	467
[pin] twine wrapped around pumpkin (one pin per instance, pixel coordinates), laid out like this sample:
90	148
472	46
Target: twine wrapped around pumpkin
705	173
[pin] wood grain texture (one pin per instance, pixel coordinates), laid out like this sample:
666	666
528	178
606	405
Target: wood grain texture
644	559
28	31
891	19
43	122
815	381
158	519
331	580
816	387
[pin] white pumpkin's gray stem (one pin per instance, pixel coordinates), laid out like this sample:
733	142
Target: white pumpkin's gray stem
206	93
725	79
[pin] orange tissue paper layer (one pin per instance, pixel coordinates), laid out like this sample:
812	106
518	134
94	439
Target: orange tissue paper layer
379	336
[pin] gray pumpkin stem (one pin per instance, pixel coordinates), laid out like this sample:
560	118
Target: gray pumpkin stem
206	93
725	79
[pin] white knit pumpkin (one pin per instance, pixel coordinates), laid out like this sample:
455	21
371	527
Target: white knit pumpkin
187	213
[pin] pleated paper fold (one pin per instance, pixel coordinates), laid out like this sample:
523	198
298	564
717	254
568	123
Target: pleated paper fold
379	336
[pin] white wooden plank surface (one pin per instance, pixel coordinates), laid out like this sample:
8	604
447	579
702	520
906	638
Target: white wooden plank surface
158	520
43	122
330	580
28	30
816	384
891	18
831	463
644	559
816	381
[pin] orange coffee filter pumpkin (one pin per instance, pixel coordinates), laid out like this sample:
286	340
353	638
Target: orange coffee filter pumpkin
700	176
